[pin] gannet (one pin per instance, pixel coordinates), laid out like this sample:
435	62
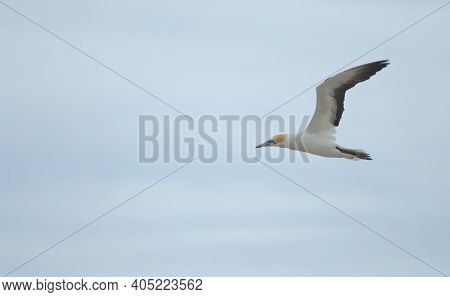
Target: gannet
319	136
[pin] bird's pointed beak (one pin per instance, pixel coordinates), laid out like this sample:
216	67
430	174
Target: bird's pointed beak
267	143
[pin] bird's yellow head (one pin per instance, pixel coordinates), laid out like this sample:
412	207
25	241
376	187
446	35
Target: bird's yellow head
277	140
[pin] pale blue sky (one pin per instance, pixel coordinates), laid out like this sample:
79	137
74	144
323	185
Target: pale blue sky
69	139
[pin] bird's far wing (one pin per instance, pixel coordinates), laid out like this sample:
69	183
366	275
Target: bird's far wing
331	95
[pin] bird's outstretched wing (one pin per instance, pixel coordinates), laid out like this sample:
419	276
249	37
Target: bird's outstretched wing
331	95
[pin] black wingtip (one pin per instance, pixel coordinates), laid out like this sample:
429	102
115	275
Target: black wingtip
383	62
373	67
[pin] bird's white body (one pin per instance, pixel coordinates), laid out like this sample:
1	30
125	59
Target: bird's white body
319	137
316	144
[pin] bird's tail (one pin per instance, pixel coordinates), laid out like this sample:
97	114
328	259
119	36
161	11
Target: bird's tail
355	154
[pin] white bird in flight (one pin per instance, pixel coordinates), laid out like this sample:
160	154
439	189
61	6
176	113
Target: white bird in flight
319	137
